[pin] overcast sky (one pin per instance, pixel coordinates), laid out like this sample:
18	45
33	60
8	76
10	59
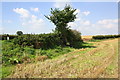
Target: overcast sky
94	18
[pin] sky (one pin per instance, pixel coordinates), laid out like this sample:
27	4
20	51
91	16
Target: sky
93	18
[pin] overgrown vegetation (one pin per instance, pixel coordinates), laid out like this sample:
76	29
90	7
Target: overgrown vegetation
15	54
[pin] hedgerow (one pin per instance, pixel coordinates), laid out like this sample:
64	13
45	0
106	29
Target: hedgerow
43	41
46	41
4	36
105	36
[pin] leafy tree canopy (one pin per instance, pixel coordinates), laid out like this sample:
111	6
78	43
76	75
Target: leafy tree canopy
19	33
61	18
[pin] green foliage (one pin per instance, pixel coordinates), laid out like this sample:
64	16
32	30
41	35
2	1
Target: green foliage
77	45
52	53
29	50
6	70
61	18
4	36
105	36
43	41
19	33
14	60
24	40
74	38
96	40
13	54
46	41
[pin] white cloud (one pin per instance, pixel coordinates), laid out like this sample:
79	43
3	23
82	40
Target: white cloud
85	22
30	23
61	3
77	11
22	12
77	19
73	24
34	24
86	13
9	21
35	9
107	21
78	15
106	26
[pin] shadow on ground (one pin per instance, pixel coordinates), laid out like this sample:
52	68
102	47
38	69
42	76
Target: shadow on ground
83	45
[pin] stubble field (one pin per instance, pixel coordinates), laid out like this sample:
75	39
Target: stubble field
98	61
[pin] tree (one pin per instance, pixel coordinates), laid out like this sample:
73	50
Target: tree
19	33
61	18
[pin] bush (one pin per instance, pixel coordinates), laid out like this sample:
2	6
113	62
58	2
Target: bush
43	41
74	38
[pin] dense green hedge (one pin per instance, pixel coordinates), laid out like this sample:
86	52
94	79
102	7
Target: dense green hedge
4	37
105	36
38	41
46	41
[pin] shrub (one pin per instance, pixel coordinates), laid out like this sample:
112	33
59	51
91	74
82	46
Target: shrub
74	38
43	41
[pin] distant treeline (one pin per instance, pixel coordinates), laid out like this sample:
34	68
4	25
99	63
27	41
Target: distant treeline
4	36
105	36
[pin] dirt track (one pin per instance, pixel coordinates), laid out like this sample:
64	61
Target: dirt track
82	63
